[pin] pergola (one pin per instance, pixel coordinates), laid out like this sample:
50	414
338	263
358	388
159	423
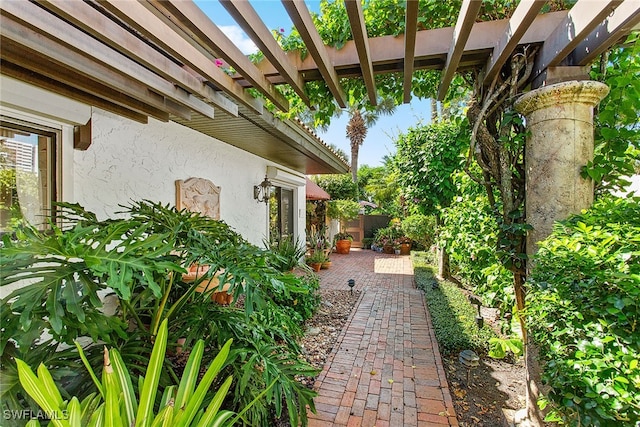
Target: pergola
157	59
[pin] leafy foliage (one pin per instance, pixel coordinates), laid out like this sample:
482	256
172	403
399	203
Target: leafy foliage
141	259
584	314
343	210
339	186
117	404
382	17
617	125
469	231
420	228
426	158
452	314
380	185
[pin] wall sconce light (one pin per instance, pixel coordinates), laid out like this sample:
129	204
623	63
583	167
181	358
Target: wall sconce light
262	192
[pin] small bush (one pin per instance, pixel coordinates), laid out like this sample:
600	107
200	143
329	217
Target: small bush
420	228
469	233
452	315
584	312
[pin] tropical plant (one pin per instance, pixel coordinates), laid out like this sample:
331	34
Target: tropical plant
469	231
427	157
617	123
316	257
117	404
288	252
140	259
339	186
420	228
361	118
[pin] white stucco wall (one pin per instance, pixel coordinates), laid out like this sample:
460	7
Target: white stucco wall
131	161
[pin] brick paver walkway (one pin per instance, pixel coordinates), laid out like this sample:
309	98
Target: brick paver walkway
385	369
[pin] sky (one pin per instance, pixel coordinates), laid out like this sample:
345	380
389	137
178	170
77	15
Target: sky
379	140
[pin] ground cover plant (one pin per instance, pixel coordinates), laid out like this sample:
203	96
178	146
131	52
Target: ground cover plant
139	260
452	314
584	313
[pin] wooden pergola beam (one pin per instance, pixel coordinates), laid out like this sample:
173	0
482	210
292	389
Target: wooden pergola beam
29	49
90	20
188	15
93	50
621	22
139	17
431	47
55	85
39	65
248	19
303	22
410	31
461	32
522	18
583	18
359	32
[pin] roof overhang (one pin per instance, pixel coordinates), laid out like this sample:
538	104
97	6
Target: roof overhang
284	142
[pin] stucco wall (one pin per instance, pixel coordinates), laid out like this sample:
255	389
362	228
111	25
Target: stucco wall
132	161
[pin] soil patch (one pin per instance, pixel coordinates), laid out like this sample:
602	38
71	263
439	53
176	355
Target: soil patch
495	387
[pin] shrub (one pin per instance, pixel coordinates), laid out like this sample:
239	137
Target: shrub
584	311
469	233
420	228
452	314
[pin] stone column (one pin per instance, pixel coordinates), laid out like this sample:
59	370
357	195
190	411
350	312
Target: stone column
560	121
559	118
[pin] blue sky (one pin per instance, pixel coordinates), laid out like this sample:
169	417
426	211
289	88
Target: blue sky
379	141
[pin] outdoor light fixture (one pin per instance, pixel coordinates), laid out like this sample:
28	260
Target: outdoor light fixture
351	283
479	319
470	360
261	192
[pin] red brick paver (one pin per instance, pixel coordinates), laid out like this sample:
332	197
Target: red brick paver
385	369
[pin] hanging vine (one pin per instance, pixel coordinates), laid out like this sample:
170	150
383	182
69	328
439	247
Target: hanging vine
497	144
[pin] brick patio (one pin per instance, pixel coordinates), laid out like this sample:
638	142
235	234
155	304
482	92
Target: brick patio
385	369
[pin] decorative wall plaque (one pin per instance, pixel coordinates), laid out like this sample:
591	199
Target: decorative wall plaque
198	195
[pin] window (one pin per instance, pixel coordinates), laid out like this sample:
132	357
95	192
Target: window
281	213
28	173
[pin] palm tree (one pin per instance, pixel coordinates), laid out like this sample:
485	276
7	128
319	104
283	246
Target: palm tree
360	119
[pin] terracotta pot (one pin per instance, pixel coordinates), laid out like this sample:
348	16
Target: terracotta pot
387	249
316	266
219	296
326	265
405	248
343	246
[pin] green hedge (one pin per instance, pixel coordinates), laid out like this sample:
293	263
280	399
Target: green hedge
584	314
452	314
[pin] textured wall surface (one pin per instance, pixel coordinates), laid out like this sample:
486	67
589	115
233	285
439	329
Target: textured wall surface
132	161
560	120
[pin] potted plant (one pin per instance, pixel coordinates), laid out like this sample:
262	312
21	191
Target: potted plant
367	242
385	239
326	263
343	211
315	260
